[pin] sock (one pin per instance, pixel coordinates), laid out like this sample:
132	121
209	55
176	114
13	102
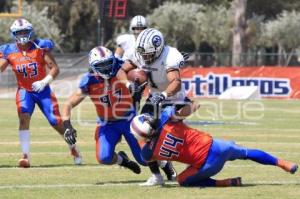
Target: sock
119	160
261	157
71	146
154	167
223	183
24	139
162	163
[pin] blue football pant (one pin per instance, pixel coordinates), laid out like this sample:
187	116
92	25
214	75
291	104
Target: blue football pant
46	101
107	137
220	152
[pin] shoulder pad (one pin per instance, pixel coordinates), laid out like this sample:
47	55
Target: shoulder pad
174	58
84	81
45	43
6	49
121	39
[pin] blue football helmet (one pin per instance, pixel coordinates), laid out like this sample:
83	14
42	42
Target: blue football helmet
22	31
103	62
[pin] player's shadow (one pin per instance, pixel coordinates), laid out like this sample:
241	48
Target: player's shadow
120	182
7	166
136	182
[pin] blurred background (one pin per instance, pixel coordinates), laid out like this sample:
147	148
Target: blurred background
215	32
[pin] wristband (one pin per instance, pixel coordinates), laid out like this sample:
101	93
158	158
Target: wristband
67	124
164	94
48	79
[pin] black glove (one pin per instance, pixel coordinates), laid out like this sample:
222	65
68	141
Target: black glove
136	90
157	98
70	133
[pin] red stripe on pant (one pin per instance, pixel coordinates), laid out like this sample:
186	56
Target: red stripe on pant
56	109
97	143
190	171
18	101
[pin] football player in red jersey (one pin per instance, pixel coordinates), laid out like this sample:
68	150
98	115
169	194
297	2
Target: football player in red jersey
205	155
29	59
114	107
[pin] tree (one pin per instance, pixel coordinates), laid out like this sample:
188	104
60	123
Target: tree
44	27
238	30
271	8
5	6
284	33
79	22
213	26
175	20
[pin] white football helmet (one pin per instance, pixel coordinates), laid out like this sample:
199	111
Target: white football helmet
102	62
150	44
22	31
141	128
138	24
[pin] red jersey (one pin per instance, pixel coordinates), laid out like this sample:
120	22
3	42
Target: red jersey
28	66
111	98
178	142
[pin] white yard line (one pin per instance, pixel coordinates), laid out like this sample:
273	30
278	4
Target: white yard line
107	167
255	130
51	186
281	110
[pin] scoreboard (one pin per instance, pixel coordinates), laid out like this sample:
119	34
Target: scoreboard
113	9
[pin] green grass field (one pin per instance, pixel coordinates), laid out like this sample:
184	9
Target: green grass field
271	125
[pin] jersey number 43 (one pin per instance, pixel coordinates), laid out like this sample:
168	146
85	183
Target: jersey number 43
30	68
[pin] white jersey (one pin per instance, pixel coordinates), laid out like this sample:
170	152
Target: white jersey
127	43
170	58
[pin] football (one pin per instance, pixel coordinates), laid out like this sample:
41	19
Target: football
137	74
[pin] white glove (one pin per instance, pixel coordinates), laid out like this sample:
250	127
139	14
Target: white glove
39	86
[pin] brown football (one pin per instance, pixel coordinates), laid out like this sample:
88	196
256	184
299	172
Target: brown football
137	74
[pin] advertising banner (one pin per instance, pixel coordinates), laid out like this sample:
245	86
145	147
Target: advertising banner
272	82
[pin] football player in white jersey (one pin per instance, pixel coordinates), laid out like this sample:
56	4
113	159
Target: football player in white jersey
162	64
126	42
126	50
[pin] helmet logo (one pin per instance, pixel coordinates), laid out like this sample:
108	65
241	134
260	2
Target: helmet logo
156	41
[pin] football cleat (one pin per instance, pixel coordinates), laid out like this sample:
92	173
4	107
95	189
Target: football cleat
288	166
127	163
154	180
24	162
170	171
76	155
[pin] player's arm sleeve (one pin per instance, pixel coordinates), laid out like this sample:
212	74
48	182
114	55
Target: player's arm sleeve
84	84
2	52
166	114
